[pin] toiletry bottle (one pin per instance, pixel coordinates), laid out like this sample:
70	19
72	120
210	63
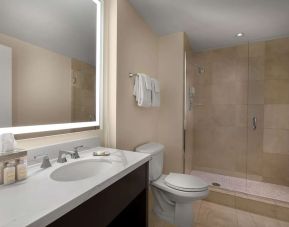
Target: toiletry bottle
21	169
1	172
9	173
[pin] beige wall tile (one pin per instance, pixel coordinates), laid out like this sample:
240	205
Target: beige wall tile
257	49
229	93
223	70
256	92
276	91
256	68
282	212
254	206
203	117
277	46
276	141
216	215
254	154
276	116
221	198
275	168
221	148
202	96
245	219
229	115
276	66
263	221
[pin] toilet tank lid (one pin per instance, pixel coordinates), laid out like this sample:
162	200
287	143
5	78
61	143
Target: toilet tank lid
150	148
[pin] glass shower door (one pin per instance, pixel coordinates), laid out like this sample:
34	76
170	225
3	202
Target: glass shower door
268	118
220	106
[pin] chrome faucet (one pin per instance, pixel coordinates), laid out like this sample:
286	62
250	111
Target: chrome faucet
62	159
74	154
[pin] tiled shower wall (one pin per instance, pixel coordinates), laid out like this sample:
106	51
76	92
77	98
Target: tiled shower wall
83	91
239	83
220	111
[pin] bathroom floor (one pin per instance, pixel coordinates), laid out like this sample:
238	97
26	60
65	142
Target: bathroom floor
209	214
265	190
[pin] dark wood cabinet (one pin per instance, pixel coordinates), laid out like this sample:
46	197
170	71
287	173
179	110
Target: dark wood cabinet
124	203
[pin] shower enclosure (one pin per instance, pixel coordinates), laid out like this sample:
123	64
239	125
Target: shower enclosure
237	120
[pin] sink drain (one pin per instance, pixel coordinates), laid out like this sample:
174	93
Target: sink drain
216	184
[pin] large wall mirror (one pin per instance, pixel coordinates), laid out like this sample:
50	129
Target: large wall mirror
50	64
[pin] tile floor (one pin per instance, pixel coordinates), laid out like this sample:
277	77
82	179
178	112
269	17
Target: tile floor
209	214
256	188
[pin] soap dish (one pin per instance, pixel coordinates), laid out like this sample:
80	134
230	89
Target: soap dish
101	153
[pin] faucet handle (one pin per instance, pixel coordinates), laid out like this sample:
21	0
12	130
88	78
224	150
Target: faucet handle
62	153
77	148
45	161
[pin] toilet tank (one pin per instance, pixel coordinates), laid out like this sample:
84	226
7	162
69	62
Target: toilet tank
156	151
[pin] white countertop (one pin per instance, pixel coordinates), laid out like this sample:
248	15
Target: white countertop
39	200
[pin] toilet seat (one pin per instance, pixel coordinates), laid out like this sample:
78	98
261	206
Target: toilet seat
185	182
185	195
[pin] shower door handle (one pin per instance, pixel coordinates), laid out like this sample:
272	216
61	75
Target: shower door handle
254	123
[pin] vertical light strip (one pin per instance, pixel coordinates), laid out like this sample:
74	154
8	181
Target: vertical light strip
99	61
98	89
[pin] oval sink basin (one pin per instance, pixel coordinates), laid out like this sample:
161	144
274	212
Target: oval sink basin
80	170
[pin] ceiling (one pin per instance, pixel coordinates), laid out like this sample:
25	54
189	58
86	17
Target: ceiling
67	27
213	24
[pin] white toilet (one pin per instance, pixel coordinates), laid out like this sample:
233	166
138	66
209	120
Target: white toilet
174	193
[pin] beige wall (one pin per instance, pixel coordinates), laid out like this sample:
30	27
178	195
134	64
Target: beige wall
137	51
170	118
41	84
189	113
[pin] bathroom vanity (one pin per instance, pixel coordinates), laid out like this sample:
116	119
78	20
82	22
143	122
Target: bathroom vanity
89	191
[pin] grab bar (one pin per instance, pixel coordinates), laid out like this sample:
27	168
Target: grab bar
254	123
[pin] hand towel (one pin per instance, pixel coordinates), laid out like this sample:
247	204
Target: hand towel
156	96
148	81
145	91
136	87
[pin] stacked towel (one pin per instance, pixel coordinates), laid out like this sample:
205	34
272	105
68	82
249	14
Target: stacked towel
143	90
7	142
146	91
156	97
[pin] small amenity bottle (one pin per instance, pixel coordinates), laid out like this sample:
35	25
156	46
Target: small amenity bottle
21	169
9	173
1	172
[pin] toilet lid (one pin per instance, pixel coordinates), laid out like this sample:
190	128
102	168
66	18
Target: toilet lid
185	182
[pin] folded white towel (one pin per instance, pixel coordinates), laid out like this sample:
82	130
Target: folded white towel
156	96
144	94
136	87
7	142
148	81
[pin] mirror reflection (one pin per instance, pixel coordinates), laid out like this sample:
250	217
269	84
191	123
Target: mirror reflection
47	62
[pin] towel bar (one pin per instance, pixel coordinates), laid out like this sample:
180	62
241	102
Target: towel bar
132	74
